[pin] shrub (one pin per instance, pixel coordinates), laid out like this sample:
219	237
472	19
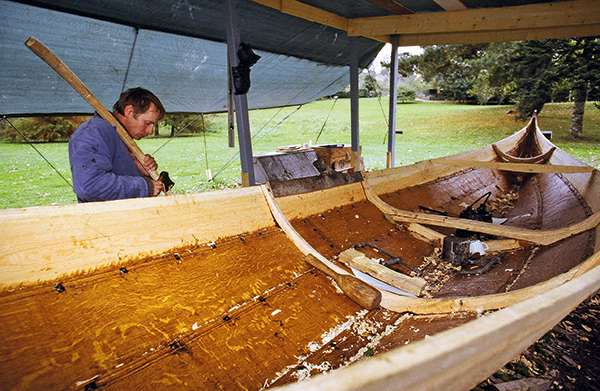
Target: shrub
406	94
42	128
191	122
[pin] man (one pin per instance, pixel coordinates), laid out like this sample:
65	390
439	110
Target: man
102	166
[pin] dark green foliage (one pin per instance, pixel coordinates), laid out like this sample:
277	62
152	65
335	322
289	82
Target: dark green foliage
406	94
372	86
42	128
193	123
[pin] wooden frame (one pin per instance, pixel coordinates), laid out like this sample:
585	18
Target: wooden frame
526	22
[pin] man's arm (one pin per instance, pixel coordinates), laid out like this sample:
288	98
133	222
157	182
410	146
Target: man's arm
102	168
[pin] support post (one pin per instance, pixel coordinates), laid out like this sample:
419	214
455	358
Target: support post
354	117
240	101
391	151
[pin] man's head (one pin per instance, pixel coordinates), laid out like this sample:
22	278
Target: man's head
139	110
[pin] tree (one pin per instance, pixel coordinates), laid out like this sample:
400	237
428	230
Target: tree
192	123
449	67
582	61
371	84
45	129
535	72
406	94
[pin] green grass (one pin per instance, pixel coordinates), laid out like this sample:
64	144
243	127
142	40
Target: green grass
429	130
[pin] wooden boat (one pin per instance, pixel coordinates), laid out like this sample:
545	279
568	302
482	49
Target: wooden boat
215	290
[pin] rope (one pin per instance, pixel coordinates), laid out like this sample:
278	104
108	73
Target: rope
181	130
324	123
257	133
205	147
39	153
387	125
137	32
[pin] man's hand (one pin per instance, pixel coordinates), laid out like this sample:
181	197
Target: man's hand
149	163
157	187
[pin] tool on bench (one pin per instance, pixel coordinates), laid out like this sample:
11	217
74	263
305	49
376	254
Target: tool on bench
55	63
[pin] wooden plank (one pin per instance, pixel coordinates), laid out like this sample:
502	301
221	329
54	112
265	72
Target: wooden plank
473	37
518	167
298	240
307	204
460	358
513	159
389	180
358	260
451	5
305	11
238	312
429	234
392	6
44	243
533	16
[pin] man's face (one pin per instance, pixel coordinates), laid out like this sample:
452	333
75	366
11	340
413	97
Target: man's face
142	125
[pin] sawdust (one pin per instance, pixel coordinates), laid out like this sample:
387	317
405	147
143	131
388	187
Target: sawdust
436	272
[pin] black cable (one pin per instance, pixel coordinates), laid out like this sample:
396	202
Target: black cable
33	146
324	123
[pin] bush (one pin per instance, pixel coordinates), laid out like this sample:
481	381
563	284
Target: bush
195	124
406	94
42	128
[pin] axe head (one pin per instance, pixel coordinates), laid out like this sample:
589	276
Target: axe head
164	178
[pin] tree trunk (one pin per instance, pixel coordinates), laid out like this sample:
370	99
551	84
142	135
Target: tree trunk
576	128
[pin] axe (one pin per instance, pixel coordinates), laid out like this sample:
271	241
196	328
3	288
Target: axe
55	63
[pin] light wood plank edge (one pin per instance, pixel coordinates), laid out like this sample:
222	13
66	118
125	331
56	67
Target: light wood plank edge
307	12
358	260
545	237
531	168
512	159
485	302
392	179
460	358
291	233
501	19
47	243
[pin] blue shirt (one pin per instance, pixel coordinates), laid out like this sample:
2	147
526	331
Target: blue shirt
101	165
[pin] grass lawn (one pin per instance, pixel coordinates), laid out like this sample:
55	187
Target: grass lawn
429	130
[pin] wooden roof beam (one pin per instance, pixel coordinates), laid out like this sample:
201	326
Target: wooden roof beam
451	5
461	38
392	6
535	21
305	11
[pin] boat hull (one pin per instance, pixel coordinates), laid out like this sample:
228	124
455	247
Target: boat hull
212	290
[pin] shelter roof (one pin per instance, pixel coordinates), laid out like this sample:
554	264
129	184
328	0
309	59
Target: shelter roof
176	47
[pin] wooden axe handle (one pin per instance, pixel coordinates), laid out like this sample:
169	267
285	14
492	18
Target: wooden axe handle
51	59
356	289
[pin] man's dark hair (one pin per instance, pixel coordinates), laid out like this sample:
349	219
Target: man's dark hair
140	99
